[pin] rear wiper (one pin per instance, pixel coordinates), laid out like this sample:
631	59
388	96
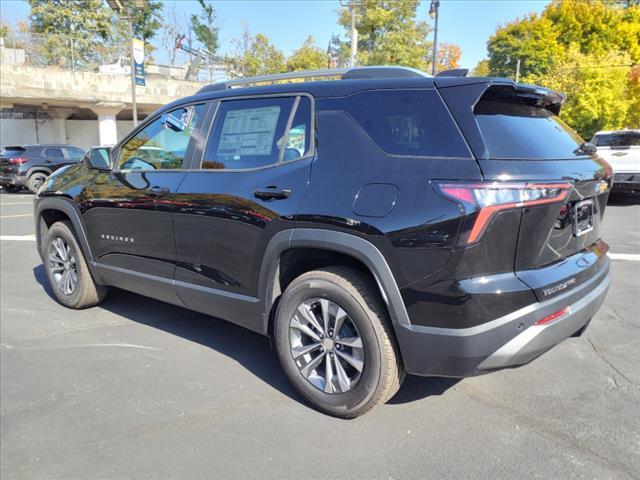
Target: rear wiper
586	148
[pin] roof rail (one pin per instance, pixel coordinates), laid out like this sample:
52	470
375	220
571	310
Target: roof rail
455	72
343	73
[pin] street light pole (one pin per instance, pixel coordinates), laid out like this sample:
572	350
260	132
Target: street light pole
433	12
352	4
134	105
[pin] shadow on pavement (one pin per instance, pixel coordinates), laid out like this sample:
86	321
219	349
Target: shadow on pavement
623	199
250	349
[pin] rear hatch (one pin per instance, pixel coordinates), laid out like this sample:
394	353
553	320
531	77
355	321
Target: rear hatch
10	157
523	140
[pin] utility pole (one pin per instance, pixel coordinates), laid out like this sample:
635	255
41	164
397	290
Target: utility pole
134	105
517	70
118	7
352	4
433	12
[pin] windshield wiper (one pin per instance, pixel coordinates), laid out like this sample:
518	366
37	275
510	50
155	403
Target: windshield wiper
586	148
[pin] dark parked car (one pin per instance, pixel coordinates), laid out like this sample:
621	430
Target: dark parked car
28	166
385	223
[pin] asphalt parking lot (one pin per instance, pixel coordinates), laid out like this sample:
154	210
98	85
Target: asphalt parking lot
141	389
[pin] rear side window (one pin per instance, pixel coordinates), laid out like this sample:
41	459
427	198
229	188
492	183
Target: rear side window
249	133
621	139
519	131
407	122
12	151
53	153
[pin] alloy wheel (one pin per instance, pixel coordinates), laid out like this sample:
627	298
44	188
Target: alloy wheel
63	267
326	346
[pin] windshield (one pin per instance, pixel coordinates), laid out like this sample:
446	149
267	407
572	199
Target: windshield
518	131
620	139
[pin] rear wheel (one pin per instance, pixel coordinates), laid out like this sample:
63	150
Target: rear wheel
67	270
36	180
335	342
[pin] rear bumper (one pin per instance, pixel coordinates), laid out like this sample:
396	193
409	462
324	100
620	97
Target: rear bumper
508	341
626	182
12	179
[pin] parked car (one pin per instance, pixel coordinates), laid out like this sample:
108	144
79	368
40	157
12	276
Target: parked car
621	148
372	226
28	166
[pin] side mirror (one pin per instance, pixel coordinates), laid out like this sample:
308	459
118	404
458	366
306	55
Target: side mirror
98	158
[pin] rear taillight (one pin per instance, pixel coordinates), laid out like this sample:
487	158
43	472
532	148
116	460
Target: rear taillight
18	160
489	198
554	316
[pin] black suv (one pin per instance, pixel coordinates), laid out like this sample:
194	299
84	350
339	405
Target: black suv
28	166
383	223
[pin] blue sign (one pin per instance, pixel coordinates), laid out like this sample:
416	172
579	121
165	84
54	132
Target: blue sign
138	62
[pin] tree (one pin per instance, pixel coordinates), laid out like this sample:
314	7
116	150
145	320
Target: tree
255	55
388	33
307	57
448	57
145	22
481	69
205	27
71	30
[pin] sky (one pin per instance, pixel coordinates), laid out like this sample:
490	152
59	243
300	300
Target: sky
467	23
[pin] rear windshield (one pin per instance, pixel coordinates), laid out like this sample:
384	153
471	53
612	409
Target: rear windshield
12	151
622	139
518	131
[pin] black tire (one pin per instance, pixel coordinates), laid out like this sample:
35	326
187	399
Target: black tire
382	373
35	181
86	292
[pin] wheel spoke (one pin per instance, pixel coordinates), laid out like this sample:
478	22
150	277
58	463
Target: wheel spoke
353	342
55	258
351	360
311	366
310	317
324	306
57	269
303	349
295	323
343	378
341	315
328	374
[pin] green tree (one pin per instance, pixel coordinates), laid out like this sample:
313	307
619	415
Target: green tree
68	31
388	33
205	27
307	57
481	69
255	55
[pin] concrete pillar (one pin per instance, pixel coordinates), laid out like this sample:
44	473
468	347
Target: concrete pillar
59	116
107	132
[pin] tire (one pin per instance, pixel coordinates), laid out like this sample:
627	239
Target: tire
60	241
350	393
35	181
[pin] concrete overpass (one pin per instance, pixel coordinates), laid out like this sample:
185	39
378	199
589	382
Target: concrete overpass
51	104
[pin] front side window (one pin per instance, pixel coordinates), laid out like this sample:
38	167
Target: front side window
163	143
248	133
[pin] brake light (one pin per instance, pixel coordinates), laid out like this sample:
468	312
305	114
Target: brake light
489	198
18	160
554	316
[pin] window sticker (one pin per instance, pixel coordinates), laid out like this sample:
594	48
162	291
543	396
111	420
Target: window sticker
249	131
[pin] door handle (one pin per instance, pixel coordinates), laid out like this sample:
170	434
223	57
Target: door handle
157	191
272	194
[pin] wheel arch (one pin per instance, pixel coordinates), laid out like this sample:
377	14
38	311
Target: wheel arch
350	249
50	210
38	169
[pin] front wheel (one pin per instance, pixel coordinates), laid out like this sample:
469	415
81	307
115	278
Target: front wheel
67	270
335	342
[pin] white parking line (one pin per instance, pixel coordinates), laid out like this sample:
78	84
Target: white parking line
18	238
632	257
16	216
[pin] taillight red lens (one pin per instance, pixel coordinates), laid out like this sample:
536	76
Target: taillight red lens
18	160
554	316
488	198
